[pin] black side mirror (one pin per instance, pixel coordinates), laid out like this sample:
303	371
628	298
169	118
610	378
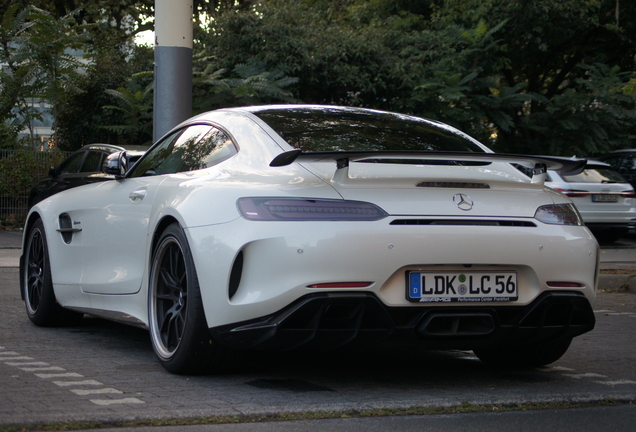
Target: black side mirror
53	172
115	164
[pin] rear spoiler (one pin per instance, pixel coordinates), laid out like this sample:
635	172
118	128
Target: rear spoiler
539	164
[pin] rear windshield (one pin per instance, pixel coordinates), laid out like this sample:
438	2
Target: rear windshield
334	129
596	175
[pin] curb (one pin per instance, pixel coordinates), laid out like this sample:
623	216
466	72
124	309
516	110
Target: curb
621	282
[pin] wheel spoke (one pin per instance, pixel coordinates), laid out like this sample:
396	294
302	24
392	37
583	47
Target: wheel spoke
171	295
35	271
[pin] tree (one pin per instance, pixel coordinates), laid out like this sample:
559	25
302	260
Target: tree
35	49
540	76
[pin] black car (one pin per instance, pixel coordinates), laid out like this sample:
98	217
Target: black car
623	161
81	167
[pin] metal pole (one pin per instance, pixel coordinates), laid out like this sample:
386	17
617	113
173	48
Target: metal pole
173	65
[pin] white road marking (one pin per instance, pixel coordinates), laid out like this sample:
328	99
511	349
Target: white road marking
72	383
34	363
613	383
59	375
44	368
96	391
585	375
116	401
11	358
556	368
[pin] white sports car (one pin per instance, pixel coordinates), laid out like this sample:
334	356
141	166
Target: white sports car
318	227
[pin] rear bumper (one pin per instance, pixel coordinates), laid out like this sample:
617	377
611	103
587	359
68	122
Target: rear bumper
359	320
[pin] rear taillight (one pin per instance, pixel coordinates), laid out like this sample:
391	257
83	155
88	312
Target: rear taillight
573	193
629	194
302	209
558	214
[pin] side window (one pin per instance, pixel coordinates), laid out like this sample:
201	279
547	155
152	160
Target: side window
155	157
72	164
628	166
215	147
196	147
93	162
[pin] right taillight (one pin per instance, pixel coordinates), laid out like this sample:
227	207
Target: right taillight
558	214
629	194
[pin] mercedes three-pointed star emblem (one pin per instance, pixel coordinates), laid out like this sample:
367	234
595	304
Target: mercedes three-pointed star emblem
463	201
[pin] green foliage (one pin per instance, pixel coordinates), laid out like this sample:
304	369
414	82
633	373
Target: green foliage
547	76
543	76
248	84
135	106
18	170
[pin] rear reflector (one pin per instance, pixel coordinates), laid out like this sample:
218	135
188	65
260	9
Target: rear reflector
553	284
341	285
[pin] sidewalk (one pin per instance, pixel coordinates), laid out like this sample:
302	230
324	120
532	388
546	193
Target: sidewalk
620	256
10	248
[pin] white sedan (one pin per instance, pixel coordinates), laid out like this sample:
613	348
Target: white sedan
602	196
318	227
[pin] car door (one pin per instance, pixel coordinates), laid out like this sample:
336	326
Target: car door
114	232
116	227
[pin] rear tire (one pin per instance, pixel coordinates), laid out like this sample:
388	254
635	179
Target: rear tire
178	327
525	356
41	305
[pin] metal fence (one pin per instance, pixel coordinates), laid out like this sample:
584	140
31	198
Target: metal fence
19	171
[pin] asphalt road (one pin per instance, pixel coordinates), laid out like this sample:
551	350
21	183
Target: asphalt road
106	372
102	371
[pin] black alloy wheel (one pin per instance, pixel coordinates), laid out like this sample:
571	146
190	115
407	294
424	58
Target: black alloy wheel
39	297
178	328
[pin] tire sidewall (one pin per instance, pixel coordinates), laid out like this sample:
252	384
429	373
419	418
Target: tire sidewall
192	347
45	313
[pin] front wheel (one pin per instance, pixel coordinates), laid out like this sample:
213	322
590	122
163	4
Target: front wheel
178	328
524	356
41	305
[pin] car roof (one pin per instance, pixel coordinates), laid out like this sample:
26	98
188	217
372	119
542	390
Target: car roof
632	150
113	148
102	147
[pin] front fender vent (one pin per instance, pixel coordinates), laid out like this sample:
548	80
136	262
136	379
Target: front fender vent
66	228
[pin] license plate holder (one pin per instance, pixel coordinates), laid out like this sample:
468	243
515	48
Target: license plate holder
460	286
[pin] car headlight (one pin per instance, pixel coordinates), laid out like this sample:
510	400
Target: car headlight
308	209
558	214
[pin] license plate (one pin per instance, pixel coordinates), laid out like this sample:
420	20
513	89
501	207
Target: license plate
446	287
604	198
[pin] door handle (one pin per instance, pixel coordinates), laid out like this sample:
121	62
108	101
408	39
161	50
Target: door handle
137	195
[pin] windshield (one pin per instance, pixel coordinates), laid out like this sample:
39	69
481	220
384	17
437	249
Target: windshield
313	129
595	175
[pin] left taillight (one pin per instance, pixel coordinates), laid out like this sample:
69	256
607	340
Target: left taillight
573	193
307	209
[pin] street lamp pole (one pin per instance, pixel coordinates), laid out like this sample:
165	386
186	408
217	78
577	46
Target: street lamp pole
173	65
